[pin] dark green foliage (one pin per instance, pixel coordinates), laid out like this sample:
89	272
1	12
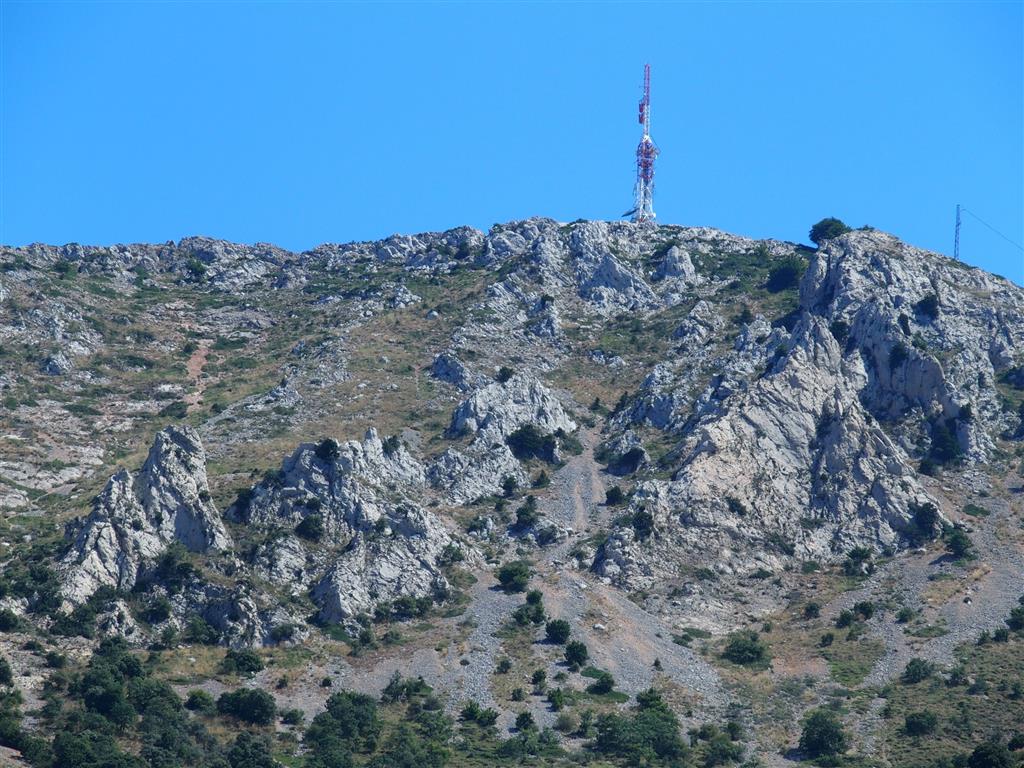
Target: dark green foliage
812	610
928	306
745	647
542	480
991	754
509	486
822	734
504	374
250	705
200	701
827	229
6	675
614	496
844	619
920	723
8	620
945	447
528	442
514	576
647	735
959	545
840	330
250	751
327	449
785	275
349	724
527	514
311	527
558	631
926	519
200	631
576	653
524	722
1016	619
858	562
917	669
643	523
242	662
898	355
603	683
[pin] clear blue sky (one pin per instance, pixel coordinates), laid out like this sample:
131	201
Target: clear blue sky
304	123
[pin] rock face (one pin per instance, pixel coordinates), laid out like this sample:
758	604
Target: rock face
490	414
933	334
376	543
136	517
399	559
805	444
499	409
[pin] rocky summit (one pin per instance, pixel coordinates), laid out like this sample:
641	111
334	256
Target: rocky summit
554	494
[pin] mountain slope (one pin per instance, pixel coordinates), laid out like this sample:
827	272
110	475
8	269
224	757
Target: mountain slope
210	442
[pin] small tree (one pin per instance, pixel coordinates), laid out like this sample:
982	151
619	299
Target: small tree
524	722
514	576
991	754
614	496
827	229
823	734
920	723
917	669
745	647
603	683
311	527
959	545
558	631
576	653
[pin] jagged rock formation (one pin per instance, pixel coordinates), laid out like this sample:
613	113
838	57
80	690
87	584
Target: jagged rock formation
803	444
136	517
490	414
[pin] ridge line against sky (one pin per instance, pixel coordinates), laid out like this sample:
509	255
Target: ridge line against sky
311	123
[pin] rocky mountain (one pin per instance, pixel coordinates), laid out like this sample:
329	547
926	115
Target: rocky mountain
683	433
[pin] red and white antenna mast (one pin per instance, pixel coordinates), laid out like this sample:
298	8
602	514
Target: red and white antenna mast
643	192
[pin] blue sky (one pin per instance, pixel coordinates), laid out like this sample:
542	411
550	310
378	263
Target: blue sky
302	123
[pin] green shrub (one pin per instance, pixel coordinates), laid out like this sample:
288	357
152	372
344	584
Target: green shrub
250	705
920	723
822	734
785	275
959	545
576	653
603	683
528	442
200	701
643	524
745	647
504	374
827	229
241	662
917	670
311	527
558	631
928	306
514	576
614	496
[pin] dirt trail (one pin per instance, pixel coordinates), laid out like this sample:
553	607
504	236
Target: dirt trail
194	366
622	637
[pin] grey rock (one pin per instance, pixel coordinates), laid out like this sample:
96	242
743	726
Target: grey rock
134	519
